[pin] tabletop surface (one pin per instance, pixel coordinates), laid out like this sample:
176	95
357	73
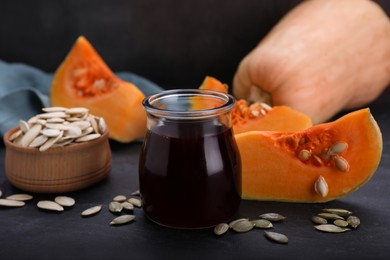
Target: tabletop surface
31	233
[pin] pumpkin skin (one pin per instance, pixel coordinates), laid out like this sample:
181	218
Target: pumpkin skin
273	170
259	116
84	80
322	57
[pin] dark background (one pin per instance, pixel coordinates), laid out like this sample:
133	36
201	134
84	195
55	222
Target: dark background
173	43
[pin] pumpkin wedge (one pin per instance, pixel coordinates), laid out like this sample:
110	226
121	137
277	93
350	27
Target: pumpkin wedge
260	116
323	163
84	80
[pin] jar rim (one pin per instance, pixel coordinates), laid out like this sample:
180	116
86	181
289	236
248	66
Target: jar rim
149	103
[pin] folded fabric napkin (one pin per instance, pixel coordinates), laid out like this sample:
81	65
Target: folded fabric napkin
24	91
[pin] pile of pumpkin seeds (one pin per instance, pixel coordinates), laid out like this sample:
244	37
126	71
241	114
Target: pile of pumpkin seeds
264	221
334	220
57	127
118	205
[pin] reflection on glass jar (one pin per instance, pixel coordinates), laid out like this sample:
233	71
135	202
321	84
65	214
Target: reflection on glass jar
189	168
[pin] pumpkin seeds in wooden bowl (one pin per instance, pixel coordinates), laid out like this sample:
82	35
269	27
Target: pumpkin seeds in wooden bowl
49	141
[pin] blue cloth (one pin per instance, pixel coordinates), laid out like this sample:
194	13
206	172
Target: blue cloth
24	91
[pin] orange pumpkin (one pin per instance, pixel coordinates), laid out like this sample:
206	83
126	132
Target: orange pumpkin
322	163
83	79
260	116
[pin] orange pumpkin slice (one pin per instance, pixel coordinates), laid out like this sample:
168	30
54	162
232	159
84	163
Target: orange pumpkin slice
323	163
260	116
84	80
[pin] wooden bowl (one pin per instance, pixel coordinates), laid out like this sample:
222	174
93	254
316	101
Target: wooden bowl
59	169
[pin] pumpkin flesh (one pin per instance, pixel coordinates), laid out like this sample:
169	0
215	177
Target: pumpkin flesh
84	79
273	170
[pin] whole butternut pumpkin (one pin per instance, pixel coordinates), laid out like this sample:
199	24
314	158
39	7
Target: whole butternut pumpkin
322	57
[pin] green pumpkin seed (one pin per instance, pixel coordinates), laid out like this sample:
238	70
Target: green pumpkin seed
340	212
242	226
276	237
122	219
340	223
235	221
318	220
262	223
353	221
273	217
331	216
330	228
221	229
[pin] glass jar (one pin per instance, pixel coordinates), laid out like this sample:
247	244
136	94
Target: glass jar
190	167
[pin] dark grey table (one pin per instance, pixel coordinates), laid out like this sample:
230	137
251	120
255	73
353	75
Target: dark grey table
30	233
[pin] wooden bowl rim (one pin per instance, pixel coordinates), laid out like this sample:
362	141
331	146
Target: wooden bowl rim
53	150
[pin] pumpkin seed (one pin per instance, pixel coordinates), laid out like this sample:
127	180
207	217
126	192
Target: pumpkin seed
340	212
38	141
331	216
135	202
88	137
221	229
304	155
115	207
325	156
52	115
340	163
318	220
15	135
20	197
65	201
11	203
321	187
73	131
50	142
28	137
236	221
122	219
77	110
102	125
242	226
54	109
272	217
136	193
331	228
24	126
276	237
91	211
55	120
81	124
338	148
262	223
119	198
353	221
317	160
340	223
127	205
49	205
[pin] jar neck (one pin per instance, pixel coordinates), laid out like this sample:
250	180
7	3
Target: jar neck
188	104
